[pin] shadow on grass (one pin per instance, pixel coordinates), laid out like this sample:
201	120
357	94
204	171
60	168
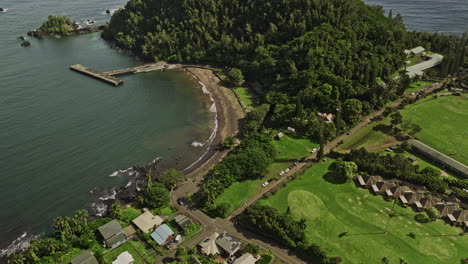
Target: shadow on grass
332	178
386	129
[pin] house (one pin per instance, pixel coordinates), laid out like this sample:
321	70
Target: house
147	222
396	191
182	221
124	258
384	186
417	50
361	181
112	234
327	117
247	258
84	258
162	234
228	244
427	202
458	216
129	231
412	197
208	245
445	209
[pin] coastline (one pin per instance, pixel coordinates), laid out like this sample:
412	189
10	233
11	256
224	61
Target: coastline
228	112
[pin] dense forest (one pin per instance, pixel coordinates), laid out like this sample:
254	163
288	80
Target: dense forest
327	53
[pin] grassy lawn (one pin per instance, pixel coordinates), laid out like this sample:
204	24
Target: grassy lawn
288	150
245	97
367	137
136	249
166	210
193	230
443	123
130	213
416	86
331	209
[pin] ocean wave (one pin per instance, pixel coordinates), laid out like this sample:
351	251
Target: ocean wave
20	243
129	172
98	209
110	196
197	144
128	184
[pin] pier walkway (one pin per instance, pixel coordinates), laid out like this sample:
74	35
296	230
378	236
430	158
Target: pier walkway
109	76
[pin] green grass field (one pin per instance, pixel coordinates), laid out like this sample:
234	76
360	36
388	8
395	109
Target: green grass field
443	122
331	209
367	137
288	150
416	86
245	97
136	249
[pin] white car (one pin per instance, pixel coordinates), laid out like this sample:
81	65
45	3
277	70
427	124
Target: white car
286	170
265	184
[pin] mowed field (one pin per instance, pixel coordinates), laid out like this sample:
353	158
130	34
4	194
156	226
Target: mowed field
288	150
443	122
368	137
331	209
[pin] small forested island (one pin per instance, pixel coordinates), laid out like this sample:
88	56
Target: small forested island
61	26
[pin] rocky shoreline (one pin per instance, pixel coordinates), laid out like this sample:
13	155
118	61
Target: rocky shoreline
75	31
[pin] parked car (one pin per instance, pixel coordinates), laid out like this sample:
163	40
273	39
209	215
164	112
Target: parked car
286	170
181	202
265	184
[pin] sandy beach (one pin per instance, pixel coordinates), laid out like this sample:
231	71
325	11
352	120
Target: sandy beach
229	112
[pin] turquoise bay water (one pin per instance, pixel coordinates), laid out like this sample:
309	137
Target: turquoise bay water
62	133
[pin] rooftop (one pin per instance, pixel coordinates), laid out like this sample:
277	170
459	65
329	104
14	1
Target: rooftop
147	221
85	258
161	234
228	243
110	229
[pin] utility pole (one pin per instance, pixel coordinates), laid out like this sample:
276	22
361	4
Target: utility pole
390	216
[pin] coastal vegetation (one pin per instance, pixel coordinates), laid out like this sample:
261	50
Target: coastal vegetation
56	25
350	222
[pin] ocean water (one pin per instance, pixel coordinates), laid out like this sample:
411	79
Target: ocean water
444	16
63	134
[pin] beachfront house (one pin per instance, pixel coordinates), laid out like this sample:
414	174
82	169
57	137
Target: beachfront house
112	234
85	258
162	234
147	222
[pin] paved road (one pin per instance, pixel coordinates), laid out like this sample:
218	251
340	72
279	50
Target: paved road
211	225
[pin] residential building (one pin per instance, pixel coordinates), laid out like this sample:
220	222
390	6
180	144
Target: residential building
112	234
85	258
446	209
124	258
247	258
208	245
228	244
162	234
147	222
182	221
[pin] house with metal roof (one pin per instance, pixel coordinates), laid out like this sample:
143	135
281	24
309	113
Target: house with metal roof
85	258
417	50
162	234
147	222
112	234
228	244
446	208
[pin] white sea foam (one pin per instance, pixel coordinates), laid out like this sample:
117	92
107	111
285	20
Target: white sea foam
4	10
110	196
197	144
214	110
99	208
128	184
20	243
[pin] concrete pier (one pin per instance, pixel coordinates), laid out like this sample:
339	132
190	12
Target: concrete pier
108	76
95	74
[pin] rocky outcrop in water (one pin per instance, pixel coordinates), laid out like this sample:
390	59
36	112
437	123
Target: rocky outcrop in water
25	43
2	9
